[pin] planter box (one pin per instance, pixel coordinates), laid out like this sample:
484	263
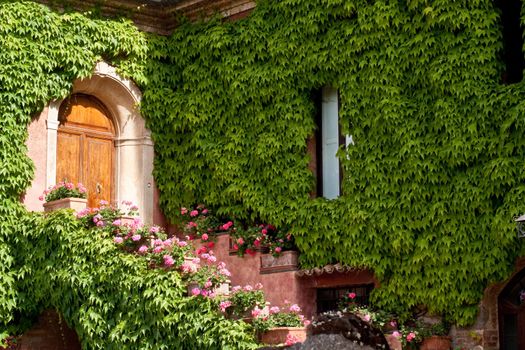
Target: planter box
436	342
278	335
287	261
77	204
127	220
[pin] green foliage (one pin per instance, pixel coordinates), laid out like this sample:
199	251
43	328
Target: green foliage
436	171
430	185
111	298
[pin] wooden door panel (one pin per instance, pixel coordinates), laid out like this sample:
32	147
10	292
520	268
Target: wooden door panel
85	146
98	169
69	158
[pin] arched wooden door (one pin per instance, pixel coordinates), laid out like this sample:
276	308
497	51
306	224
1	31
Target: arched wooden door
85	148
512	314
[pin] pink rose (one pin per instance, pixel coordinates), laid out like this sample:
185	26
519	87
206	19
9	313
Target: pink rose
224	305
208	284
183	211
225	272
351	295
278	249
195	291
168	260
194	213
41	198
118	240
264	231
256	312
411	336
158	249
136	238
204	237
240	241
274	309
100	223
295	308
205	211
396	334
143	249
291	340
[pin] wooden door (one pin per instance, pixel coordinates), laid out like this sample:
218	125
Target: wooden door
85	149
512	314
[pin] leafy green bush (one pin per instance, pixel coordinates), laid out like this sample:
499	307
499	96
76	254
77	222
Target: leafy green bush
112	299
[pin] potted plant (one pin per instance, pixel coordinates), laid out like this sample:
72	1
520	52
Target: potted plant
65	195
243	300
283	254
435	337
275	325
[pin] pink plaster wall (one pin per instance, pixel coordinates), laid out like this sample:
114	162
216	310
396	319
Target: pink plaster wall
278	287
36	146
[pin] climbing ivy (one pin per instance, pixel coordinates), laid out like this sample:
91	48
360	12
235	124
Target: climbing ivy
111	299
430	185
436	171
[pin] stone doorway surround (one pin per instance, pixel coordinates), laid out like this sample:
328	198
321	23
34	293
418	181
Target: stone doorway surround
134	151
484	334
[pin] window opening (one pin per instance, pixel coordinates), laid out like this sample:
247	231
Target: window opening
328	299
512	40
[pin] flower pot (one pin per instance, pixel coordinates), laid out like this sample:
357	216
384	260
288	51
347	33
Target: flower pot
278	335
77	204
191	286
223	289
393	342
286	261
128	220
436	342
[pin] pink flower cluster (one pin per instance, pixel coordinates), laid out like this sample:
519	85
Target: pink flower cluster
61	186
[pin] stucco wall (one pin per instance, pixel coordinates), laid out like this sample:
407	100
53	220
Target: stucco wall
37	151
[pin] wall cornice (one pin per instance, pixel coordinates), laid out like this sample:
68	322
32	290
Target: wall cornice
160	16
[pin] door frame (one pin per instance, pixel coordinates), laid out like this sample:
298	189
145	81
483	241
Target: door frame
133	157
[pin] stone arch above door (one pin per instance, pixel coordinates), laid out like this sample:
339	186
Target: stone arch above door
133	177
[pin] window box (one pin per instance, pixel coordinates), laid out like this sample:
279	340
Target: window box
279	335
436	342
77	204
286	261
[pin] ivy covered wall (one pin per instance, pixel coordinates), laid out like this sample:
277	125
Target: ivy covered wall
430	186
436	172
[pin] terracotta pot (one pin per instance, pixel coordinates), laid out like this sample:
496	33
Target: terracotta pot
393	342
278	335
436	342
77	204
286	261
191	286
127	220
